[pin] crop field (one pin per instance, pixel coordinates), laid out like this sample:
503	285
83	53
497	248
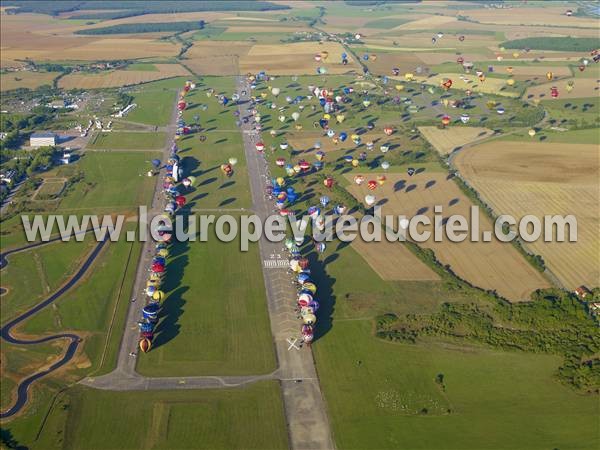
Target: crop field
127	140
521	178
393	261
550	15
297	58
582	87
26	80
384	395
251	417
446	140
118	78
472	261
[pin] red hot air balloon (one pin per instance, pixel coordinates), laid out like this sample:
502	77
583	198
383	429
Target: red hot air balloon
303	263
445	120
304	165
388	131
581	68
329	182
554	92
372	184
181	105
280	162
460	60
447	84
180	200
260	146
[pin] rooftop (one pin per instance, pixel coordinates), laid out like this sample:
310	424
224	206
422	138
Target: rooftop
43	134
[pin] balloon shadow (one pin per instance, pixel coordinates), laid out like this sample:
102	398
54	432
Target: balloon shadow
325	294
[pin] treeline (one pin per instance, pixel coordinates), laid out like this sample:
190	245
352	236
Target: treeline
136	7
566	44
177	27
554	322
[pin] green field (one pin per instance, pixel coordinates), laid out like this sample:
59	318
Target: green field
142	66
491	399
123	140
154	104
32	275
112	181
215	314
250	417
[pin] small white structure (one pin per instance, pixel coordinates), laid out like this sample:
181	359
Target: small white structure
125	111
66	157
42	139
7	177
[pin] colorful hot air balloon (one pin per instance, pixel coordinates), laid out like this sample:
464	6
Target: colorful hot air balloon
445	120
388	131
359	179
145	345
329	182
372	185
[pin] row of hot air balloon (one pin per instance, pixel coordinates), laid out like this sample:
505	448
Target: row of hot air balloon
174	199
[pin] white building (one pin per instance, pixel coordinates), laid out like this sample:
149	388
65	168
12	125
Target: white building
42	139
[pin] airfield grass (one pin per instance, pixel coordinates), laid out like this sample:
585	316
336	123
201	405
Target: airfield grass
214	318
111	180
32	275
123	140
154	105
384	395
250	417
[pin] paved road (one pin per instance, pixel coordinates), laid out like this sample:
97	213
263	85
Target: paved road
11	195
304	405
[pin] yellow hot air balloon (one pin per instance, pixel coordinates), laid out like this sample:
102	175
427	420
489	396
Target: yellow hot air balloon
354	136
298	126
515	54
549	76
324	54
280	181
340	118
355	163
399	87
509	69
531	132
263	94
409	76
510	82
326	116
159	296
445	102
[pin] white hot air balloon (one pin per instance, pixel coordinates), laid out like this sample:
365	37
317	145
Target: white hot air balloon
385	165
464	118
233	161
369	200
295	115
404	223
275	91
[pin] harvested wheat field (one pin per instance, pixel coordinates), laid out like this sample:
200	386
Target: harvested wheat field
582	87
489	265
426	23
117	78
26	79
305	141
393	261
441	57
216	57
520	178
449	139
295	59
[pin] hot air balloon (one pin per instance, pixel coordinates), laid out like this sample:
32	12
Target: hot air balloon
531	132
319	155
372	185
385	165
549	76
158	296
145	345
447	84
329	182
381	179
280	162
388	131
180	200
359	179
260	146
445	120
510	81
181	105
369	200
410	171
324	200
320	246
554	92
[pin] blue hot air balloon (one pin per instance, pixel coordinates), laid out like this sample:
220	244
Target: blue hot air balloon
156	162
322	101
314	211
348	158
344	55
303	278
320	246
318	165
292	197
323	123
324	200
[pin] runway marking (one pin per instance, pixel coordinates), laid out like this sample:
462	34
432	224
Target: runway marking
292	343
276	263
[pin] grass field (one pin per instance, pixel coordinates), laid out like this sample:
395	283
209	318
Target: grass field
154	105
118	78
250	417
32	275
113	182
536	178
582	88
122	140
492	399
27	80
